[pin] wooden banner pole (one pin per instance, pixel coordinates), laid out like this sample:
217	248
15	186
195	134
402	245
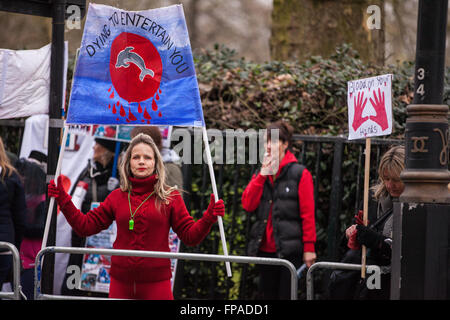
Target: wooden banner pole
216	197
57	173
366	203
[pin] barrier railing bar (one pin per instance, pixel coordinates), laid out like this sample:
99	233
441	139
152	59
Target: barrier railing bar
16	272
326	265
59	297
156	254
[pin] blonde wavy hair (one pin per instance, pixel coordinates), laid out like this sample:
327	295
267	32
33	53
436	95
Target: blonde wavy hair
7	168
393	161
162	190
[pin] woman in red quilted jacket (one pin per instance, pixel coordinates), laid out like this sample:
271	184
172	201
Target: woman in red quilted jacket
144	209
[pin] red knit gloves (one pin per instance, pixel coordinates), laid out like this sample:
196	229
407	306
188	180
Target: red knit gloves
214	209
58	192
352	243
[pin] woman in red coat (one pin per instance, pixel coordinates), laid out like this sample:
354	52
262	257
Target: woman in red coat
145	209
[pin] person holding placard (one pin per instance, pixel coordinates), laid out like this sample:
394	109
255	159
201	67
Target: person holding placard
377	237
369	115
282	196
145	209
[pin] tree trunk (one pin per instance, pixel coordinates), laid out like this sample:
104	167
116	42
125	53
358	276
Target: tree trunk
191	11
304	28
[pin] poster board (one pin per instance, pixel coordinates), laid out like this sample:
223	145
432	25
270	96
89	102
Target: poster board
369	115
370	107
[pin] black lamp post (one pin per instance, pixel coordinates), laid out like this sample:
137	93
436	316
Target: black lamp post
55	125
420	259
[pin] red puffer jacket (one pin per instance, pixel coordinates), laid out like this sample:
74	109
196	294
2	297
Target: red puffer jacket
151	229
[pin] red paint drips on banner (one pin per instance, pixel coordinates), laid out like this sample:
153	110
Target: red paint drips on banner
146	115
130	115
154	105
122	111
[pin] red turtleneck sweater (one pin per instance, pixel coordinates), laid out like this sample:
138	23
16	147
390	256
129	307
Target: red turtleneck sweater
151	228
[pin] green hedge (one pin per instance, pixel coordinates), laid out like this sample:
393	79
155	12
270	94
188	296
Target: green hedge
311	95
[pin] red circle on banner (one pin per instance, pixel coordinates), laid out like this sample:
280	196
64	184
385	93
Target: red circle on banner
135	67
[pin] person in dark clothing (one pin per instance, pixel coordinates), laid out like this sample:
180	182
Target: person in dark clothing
282	196
32	171
12	212
377	236
13	158
96	175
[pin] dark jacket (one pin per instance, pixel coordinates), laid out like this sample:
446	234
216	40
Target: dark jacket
97	178
12	209
287	225
383	226
35	191
345	284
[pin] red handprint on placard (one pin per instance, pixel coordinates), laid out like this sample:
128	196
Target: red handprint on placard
358	120
380	108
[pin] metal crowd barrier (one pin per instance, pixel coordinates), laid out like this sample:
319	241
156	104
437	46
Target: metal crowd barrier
326	265
17	289
153	254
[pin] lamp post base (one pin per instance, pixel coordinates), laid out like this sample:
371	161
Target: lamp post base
420	254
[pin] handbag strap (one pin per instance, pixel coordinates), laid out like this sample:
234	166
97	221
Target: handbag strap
382	218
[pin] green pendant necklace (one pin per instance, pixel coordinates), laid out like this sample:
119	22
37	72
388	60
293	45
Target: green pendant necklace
131	221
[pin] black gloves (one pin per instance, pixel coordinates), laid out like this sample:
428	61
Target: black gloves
368	237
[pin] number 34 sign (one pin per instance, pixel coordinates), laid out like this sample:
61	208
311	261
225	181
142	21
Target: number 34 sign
370	107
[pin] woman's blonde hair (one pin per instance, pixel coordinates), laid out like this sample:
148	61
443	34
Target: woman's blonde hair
162	190
393	161
7	168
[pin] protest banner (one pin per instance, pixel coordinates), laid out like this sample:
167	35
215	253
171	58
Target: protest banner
140	66
367	120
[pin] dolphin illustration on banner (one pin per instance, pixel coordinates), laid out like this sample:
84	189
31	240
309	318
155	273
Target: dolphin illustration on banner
126	56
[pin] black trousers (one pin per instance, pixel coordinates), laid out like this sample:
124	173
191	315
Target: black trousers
275	281
27	283
6	264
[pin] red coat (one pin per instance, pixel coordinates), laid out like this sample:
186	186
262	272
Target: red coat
252	196
151	229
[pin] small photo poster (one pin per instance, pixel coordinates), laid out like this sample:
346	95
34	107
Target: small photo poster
95	269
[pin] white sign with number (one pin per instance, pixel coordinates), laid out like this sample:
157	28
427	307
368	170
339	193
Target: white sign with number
369	104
